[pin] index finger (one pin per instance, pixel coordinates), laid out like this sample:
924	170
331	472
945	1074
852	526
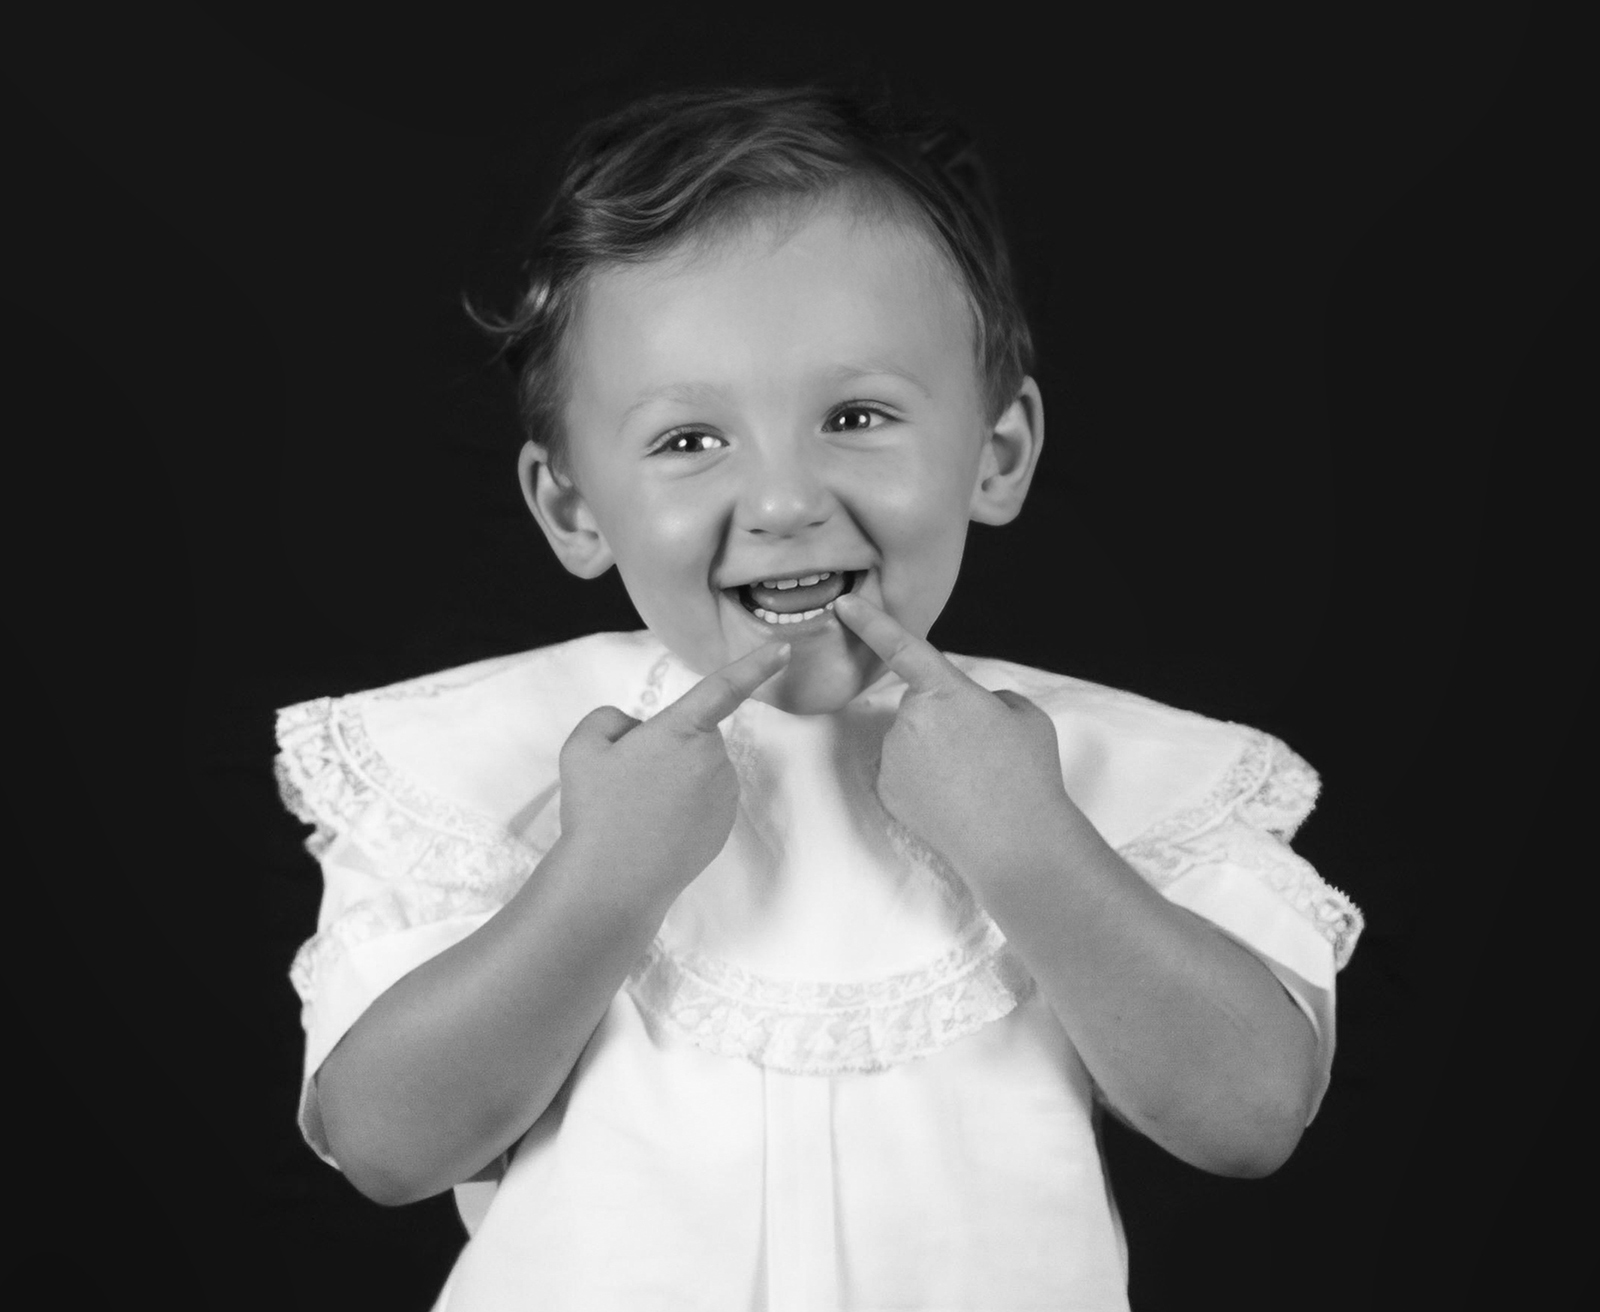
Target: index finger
718	695
914	659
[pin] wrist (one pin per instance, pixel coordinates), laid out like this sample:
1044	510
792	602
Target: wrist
1038	846
626	866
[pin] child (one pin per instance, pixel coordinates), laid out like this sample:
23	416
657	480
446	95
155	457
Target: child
769	958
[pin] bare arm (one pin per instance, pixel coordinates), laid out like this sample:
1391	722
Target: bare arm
1191	1037
452	1065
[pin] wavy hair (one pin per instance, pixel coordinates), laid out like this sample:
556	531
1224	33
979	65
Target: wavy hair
686	164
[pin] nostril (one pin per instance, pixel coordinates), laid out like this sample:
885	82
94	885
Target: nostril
784	507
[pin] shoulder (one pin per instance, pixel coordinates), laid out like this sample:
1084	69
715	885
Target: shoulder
478	736
1135	765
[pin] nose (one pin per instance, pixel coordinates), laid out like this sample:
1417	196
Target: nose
782	493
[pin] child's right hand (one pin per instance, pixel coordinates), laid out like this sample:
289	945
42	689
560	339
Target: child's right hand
657	799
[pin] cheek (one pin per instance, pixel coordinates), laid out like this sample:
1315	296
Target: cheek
681	538
921	507
919	520
665	552
661	536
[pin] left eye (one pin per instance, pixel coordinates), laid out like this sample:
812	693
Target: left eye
853	419
690	442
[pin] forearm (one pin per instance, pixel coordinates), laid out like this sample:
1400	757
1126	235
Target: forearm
450	1066
1191	1038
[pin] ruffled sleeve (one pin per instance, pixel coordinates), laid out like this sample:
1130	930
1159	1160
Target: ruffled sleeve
407	874
1227	858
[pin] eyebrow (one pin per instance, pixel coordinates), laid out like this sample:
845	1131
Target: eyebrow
683	393
703	393
845	373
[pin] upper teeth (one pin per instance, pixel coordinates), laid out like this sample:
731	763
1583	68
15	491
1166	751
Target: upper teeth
804	582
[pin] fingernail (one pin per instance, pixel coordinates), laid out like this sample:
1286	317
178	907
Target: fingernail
784	648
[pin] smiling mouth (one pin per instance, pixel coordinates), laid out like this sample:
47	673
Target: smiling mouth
797	600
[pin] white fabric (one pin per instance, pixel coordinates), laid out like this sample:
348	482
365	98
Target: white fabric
829	1083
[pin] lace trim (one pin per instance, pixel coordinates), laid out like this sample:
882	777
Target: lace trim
1247	820
453	861
456	861
371	918
818	1028
1268	787
328	759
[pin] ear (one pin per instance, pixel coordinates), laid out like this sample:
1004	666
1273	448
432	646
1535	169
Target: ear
1010	453
563	514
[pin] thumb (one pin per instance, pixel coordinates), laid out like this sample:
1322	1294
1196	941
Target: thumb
1015	700
1025	707
604	724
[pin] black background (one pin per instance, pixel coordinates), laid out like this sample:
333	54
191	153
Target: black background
1316	353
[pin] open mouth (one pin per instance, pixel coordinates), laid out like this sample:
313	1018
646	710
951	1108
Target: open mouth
795	600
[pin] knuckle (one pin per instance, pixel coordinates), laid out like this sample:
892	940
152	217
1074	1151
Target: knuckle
1022	705
683	731
602	717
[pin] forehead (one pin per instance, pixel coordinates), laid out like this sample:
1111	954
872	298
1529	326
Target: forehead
779	297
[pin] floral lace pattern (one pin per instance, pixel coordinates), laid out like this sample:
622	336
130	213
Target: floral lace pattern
821	1027
812	1027
1247	820
440	860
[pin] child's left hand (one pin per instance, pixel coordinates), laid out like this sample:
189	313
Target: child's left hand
974	773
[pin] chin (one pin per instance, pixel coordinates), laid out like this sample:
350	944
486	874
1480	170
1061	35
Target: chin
824	675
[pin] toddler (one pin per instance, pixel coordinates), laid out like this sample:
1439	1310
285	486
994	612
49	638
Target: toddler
769	958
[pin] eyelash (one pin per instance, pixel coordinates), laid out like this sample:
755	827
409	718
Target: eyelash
850	407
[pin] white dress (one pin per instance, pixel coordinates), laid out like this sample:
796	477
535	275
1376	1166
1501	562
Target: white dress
829	1084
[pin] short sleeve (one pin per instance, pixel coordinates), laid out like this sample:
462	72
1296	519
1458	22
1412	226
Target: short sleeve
406	875
1228	859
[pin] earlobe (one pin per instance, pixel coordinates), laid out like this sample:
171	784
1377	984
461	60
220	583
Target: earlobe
568	523
1010	455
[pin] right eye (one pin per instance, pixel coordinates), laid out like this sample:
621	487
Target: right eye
687	442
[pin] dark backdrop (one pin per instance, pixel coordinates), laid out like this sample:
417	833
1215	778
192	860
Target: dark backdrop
1308	303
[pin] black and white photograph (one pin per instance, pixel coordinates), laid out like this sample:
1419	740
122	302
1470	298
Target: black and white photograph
737	660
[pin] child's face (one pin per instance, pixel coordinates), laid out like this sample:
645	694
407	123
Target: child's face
784	404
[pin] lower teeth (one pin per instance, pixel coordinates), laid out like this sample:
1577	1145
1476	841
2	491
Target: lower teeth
772	617
778	617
